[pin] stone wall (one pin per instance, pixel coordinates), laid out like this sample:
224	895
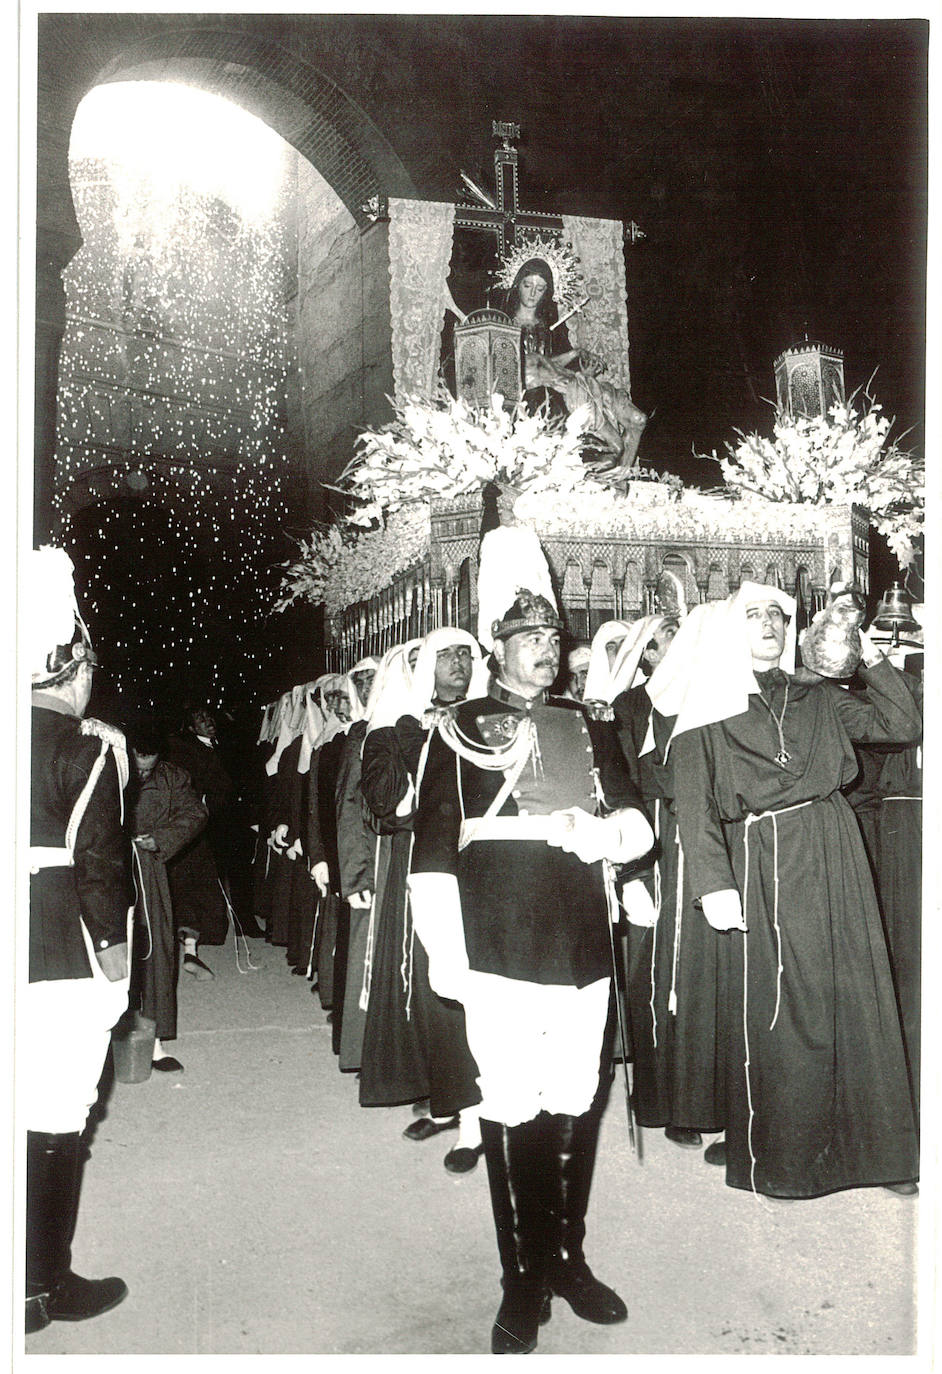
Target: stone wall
343	333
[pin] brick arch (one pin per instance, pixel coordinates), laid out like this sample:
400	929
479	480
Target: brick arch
293	97
235	58
231	58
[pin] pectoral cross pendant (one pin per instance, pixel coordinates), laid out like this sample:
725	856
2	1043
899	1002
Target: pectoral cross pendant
783	757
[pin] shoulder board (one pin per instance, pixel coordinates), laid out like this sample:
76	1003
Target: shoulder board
598	710
109	733
433	715
567	703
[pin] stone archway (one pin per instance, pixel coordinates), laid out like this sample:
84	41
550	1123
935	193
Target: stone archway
232	56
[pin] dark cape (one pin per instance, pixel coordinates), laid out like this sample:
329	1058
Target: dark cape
165	806
414	1043
817	1093
677	1078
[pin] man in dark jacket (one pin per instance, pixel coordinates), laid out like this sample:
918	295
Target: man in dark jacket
78	944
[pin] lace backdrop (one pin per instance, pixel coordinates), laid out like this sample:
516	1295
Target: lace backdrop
602	325
420	239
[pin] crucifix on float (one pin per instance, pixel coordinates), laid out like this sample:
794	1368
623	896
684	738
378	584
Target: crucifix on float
503	215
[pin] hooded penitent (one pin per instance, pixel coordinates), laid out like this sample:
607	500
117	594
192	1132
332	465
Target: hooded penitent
391	694
423	674
708	675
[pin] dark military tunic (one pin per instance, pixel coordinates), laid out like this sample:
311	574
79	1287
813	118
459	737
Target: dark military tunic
531	911
97	889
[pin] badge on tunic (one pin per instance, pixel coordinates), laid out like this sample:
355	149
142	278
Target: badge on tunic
498	730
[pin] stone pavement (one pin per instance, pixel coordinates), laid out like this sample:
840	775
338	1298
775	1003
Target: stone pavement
253	1207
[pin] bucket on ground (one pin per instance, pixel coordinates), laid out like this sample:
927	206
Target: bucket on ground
132	1045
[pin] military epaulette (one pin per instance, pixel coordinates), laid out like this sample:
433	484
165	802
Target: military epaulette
497	730
598	710
109	733
567	703
434	715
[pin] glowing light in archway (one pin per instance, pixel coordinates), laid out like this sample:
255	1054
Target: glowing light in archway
182	136
172	397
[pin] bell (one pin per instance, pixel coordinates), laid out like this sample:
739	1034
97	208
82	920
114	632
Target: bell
895	611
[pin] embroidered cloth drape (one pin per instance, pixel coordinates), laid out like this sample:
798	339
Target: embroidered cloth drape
602	325
420	240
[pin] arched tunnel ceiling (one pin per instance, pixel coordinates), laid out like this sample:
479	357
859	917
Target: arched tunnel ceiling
778	169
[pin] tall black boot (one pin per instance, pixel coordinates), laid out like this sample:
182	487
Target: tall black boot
570	1160
41	1229
54	1214
513	1156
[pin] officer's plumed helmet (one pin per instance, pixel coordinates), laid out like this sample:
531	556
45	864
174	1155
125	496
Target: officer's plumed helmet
515	592
56	633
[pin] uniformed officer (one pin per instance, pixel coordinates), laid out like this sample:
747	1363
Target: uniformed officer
531	803
78	940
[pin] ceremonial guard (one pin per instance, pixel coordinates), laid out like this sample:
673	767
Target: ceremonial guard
78	940
532	803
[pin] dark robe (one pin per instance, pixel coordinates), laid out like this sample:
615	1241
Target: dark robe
165	806
888	801
263	881
321	845
824	1067
676	1077
363	860
414	1042
282	870
302	900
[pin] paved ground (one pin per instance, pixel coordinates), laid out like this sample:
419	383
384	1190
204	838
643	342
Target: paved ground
254	1208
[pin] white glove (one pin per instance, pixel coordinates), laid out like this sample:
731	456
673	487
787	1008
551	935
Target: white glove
321	875
361	900
295	851
278	837
619	838
723	909
436	916
407	803
637	904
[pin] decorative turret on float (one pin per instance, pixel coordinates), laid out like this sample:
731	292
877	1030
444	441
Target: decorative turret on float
809	379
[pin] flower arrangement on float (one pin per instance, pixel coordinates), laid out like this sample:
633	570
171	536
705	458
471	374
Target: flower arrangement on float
439	448
842	458
443	450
